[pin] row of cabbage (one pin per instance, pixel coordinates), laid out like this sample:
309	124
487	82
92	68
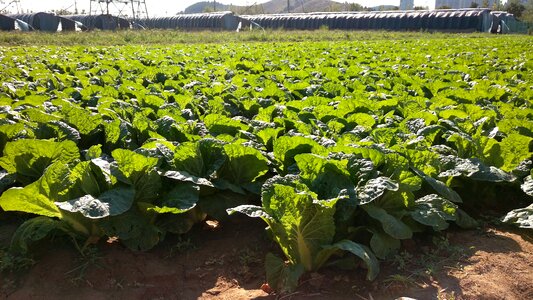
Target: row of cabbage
344	148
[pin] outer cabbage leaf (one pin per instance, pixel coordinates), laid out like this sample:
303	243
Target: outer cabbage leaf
219	124
383	245
453	166
433	210
521	217
514	149
29	158
110	203
390	224
186	177
280	276
327	177
29	200
139	171
31	231
375	188
440	187
243	164
6	180
181	198
527	186
201	159
287	147
361	251
216	205
133	229
85	121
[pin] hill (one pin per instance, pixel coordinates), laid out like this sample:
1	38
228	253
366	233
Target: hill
270	7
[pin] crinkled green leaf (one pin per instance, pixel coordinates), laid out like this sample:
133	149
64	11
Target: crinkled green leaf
327	177
454	166
215	205
383	245
29	200
433	210
56	183
300	224
93	152
201	159
282	277
390	224
521	217
186	177
465	221
6	180
110	203
527	186
57	130
252	211
183	197
375	188
243	164
32	230
361	251
219	124
29	158
440	187
514	149
89	178
118	134
178	221
268	135
138	170
287	147
223	184
133	230
85	121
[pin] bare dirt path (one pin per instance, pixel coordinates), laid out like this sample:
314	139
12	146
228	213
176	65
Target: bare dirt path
227	263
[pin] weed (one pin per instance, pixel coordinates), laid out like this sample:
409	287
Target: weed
10	262
406	281
249	256
183	245
402	260
90	256
161	37
430	261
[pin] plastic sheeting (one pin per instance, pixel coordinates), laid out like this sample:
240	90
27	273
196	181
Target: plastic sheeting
40	21
435	20
71	25
207	21
102	22
10	23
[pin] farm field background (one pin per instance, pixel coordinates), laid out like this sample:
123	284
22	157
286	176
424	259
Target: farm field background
348	148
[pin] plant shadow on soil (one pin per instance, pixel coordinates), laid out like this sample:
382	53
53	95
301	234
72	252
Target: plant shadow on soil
227	262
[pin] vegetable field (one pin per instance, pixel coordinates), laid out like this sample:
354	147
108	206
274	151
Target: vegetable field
344	149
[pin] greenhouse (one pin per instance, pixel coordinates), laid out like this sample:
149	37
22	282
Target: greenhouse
466	20
211	21
8	23
40	21
102	22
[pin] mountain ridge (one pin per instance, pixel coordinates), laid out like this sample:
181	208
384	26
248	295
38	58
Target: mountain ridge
270	7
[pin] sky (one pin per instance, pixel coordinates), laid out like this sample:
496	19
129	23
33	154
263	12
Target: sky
162	8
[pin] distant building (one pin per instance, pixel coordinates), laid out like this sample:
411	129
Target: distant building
462	3
407	4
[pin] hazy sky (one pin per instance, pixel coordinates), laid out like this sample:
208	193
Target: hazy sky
156	7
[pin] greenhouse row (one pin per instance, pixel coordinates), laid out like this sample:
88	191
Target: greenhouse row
446	20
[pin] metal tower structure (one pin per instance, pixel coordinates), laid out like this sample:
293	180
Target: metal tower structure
8	4
130	9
